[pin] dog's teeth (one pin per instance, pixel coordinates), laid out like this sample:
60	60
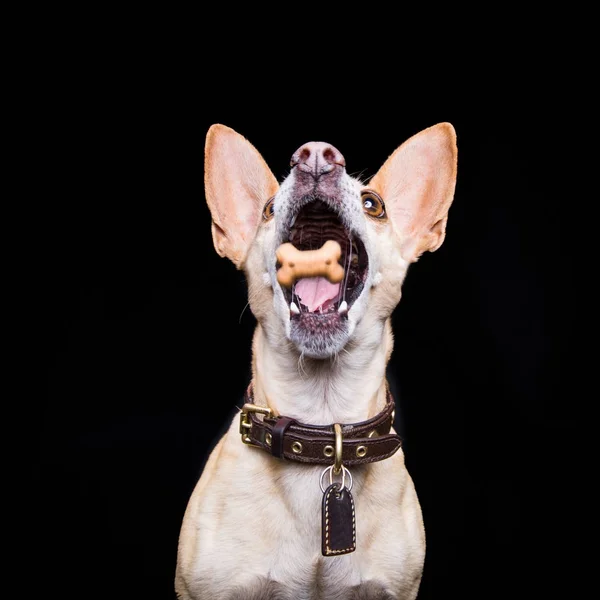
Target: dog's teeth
343	307
294	309
293	221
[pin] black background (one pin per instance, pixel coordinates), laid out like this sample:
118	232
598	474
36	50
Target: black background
146	343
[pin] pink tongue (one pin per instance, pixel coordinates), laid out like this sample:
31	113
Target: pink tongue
316	291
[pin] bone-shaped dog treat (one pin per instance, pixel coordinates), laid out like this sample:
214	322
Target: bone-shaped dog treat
296	264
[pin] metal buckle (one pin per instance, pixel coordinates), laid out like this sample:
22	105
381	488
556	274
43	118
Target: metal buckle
246	424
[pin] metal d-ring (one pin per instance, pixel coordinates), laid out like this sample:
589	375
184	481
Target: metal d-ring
337	465
342	483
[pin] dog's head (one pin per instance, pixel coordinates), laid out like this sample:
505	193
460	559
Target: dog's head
382	226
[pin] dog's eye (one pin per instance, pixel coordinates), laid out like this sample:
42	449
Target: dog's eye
268	211
373	205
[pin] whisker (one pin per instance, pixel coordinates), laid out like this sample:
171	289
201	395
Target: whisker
243	310
359	175
348	261
301	369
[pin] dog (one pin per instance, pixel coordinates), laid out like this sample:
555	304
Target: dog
307	496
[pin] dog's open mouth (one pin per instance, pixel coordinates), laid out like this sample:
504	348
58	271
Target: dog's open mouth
315	300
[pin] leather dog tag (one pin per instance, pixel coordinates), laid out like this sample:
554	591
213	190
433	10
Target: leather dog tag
338	534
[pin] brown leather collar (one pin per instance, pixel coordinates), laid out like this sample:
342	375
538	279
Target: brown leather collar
364	442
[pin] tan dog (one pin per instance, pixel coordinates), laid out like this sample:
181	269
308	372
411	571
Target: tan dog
256	526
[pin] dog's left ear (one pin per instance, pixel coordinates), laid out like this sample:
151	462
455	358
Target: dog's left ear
237	184
417	185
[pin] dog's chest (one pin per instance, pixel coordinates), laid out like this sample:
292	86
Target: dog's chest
263	589
266	542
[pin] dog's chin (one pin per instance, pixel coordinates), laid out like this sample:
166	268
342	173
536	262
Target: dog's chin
319	336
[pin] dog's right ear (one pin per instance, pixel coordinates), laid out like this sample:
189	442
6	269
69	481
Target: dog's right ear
237	184
417	183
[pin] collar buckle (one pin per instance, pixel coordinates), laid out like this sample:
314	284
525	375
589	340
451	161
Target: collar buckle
246	422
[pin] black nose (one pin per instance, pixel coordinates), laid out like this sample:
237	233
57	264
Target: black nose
317	158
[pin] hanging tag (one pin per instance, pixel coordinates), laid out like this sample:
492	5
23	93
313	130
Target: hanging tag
338	517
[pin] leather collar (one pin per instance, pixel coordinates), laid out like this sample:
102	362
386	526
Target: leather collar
283	437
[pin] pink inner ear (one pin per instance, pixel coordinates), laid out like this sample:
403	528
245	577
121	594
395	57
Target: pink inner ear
238	183
417	184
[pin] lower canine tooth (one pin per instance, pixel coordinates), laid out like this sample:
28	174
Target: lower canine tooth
343	307
294	309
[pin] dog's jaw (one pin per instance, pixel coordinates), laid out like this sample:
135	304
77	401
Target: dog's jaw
317	335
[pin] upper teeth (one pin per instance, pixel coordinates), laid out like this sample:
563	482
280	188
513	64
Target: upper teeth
294	309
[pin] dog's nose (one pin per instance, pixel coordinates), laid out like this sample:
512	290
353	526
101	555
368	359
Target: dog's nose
317	158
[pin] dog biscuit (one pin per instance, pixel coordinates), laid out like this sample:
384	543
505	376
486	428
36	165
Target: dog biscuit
296	264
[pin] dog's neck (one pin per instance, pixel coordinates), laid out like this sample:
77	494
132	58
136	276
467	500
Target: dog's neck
348	388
